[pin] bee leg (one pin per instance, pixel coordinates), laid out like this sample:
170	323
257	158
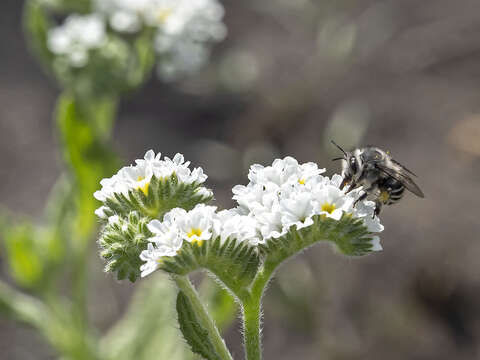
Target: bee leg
351	187
378	207
360	198
364	195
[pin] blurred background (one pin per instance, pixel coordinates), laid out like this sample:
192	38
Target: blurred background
291	75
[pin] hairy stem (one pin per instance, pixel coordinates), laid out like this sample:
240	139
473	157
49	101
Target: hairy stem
252	331
252	313
207	322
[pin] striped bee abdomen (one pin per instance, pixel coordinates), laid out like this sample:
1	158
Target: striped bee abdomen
391	191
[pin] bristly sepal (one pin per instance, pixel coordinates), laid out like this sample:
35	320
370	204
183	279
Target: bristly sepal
121	241
232	262
157	198
349	235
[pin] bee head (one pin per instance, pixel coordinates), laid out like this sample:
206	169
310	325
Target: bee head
351	165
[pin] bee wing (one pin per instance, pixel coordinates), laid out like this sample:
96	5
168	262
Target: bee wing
401	174
403	167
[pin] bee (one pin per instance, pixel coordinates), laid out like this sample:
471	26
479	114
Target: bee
383	179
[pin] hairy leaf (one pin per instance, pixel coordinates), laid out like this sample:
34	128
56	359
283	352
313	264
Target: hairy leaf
195	335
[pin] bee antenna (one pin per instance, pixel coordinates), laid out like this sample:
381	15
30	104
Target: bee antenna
343	151
338	158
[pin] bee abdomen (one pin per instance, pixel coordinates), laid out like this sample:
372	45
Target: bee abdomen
395	193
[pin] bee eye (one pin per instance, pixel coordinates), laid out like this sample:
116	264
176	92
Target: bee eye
353	165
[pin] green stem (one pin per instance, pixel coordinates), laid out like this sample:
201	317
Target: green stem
252	315
187	288
252	331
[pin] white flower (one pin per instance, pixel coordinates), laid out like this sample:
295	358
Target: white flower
76	37
152	258
331	201
232	224
178	166
376	246
167	241
365	211
114	220
197	225
298	210
100	212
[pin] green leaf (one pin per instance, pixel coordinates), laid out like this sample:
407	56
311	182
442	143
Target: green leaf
349	235
146	332
195	335
234	263
26	264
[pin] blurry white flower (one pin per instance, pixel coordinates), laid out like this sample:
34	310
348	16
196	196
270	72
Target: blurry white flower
185	29
76	37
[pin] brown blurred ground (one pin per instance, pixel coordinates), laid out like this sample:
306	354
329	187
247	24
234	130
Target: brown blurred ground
404	75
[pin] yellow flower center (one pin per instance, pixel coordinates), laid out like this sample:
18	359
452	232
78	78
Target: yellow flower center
163	14
301	181
143	188
327	207
195	232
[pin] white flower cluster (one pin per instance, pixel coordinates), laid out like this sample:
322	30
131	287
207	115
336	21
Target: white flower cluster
200	224
76	37
138	176
184	28
279	196
287	193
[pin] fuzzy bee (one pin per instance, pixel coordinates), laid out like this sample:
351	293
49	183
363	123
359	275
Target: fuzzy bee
383	179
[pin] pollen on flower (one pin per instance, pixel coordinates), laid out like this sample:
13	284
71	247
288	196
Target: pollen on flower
328	207
194	232
301	181
143	188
